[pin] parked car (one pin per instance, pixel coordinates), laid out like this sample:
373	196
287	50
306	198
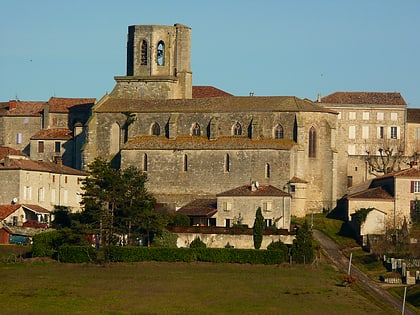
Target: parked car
35	224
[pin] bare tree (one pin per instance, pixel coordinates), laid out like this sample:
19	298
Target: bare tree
387	157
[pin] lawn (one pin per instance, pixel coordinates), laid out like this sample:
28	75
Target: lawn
177	288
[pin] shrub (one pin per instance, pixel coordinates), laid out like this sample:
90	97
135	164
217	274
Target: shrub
44	244
197	243
77	254
165	239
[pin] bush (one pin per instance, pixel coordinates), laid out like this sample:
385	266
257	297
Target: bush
279	245
197	243
44	244
77	254
165	239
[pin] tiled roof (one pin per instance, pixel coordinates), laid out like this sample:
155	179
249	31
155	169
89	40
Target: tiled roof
40	166
35	208
5	151
409	172
200	208
62	105
413	115
6	210
358	98
297	180
21	108
209	105
203	143
54	133
262	190
207	91
372	193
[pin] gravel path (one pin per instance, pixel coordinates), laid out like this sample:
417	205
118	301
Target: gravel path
337	257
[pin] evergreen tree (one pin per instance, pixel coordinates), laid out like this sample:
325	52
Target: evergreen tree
258	229
302	250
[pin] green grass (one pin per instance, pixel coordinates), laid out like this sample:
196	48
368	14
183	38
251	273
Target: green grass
177	288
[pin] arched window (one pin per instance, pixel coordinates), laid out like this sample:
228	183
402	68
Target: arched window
196	130
237	129
267	170
145	162
155	129
227	163
185	163
278	132
115	138
144	57
312	142
161	53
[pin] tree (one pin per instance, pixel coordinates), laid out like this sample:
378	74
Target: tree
302	250
388	158
258	229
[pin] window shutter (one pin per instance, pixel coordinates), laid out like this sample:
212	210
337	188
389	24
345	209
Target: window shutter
412	186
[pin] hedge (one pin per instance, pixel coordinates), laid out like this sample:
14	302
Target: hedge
77	254
217	255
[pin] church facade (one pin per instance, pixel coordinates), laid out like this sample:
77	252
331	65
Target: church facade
194	144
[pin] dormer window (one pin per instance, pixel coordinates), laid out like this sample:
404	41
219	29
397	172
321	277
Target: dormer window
237	129
161	53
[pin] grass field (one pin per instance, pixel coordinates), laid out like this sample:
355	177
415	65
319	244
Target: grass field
177	288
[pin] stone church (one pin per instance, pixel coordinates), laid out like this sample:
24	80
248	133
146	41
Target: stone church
198	141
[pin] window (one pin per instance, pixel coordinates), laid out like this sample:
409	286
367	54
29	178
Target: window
65	179
278	132
292	188
349	181
237	129
144	53
41	194
65	196
380	132
267	206
19	138
145	162
268	222
351	149
394	133
27	193
227	163
57	147
312	142
394	116
53	196
365	116
352	132
196	130
155	129
415	186
227	222
379	116
352	115
161	53
365	132
267	170
40	146
227	206
53	178
185	163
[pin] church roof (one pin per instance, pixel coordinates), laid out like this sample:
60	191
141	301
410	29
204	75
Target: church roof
359	98
207	91
211	104
199	207
54	133
203	143
247	191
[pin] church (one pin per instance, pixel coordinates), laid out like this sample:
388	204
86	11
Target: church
198	141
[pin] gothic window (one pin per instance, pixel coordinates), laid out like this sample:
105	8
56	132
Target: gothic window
161	53
196	130
145	164
185	163
155	129
237	129
312	142
267	170
144	53
278	132
227	163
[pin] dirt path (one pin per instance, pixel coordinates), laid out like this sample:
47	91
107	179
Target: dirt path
337	257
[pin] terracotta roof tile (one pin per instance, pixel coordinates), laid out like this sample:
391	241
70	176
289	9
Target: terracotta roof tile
62	105
54	133
358	98
298	180
262	190
207	91
409	172
35	208
203	143
21	108
40	166
372	193
6	210
199	207
413	115
5	151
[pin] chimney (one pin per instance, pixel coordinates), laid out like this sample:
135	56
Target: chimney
12	104
319	98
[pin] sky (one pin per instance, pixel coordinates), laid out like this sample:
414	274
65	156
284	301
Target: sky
268	47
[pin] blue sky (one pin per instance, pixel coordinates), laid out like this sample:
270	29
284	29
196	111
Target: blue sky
270	47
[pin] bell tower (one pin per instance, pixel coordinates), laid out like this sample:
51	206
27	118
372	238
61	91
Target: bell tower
158	63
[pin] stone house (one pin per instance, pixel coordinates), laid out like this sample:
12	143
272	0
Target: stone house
368	122
395	194
374	224
193	143
413	135
45	184
17	214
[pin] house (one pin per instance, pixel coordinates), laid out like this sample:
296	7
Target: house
239	205
45	184
373	222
